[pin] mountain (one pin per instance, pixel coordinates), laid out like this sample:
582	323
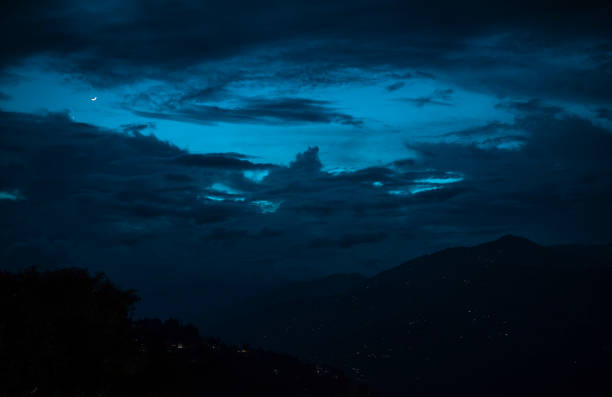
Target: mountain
506	317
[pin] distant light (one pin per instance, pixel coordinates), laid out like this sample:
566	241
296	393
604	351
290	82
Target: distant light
94	99
377	184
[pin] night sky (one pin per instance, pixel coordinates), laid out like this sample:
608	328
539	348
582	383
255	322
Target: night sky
237	144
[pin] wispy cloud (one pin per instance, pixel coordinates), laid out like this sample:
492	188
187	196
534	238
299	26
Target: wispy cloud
437	97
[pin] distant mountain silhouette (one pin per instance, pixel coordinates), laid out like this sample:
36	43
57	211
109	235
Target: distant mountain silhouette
508	317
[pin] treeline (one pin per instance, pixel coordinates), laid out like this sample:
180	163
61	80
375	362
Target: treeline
68	333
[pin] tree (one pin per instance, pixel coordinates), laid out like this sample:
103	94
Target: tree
63	332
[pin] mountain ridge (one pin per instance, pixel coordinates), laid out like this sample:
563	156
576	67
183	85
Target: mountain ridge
498	308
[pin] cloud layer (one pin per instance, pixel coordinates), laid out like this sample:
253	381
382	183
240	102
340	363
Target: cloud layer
513	47
461	122
130	204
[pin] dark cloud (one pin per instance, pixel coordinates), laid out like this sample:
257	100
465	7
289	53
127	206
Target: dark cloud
531	106
123	174
134	206
218	160
178	178
559	175
351	239
269	233
227	234
484	47
604	113
395	86
162	219
137	128
493	134
256	111
437	97
348	240
486	130
404	163
307	161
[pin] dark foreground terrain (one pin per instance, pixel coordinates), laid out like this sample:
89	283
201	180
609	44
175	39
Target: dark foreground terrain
507	317
65	333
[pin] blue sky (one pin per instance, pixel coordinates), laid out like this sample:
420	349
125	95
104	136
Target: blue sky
239	143
387	121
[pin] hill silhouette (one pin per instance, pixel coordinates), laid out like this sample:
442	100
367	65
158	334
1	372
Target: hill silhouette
67	333
508	317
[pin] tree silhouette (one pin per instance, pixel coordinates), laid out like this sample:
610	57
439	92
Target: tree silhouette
63	332
67	333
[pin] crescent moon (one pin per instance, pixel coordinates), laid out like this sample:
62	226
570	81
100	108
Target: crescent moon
94	98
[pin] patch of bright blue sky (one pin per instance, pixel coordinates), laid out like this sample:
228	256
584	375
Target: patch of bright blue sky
450	179
416	189
339	170
222	192
425	184
13	195
265	206
419	189
388	120
214	197
256	176
227	193
223	188
219	198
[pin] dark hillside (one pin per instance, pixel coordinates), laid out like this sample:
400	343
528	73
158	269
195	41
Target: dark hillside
501	318
66	333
